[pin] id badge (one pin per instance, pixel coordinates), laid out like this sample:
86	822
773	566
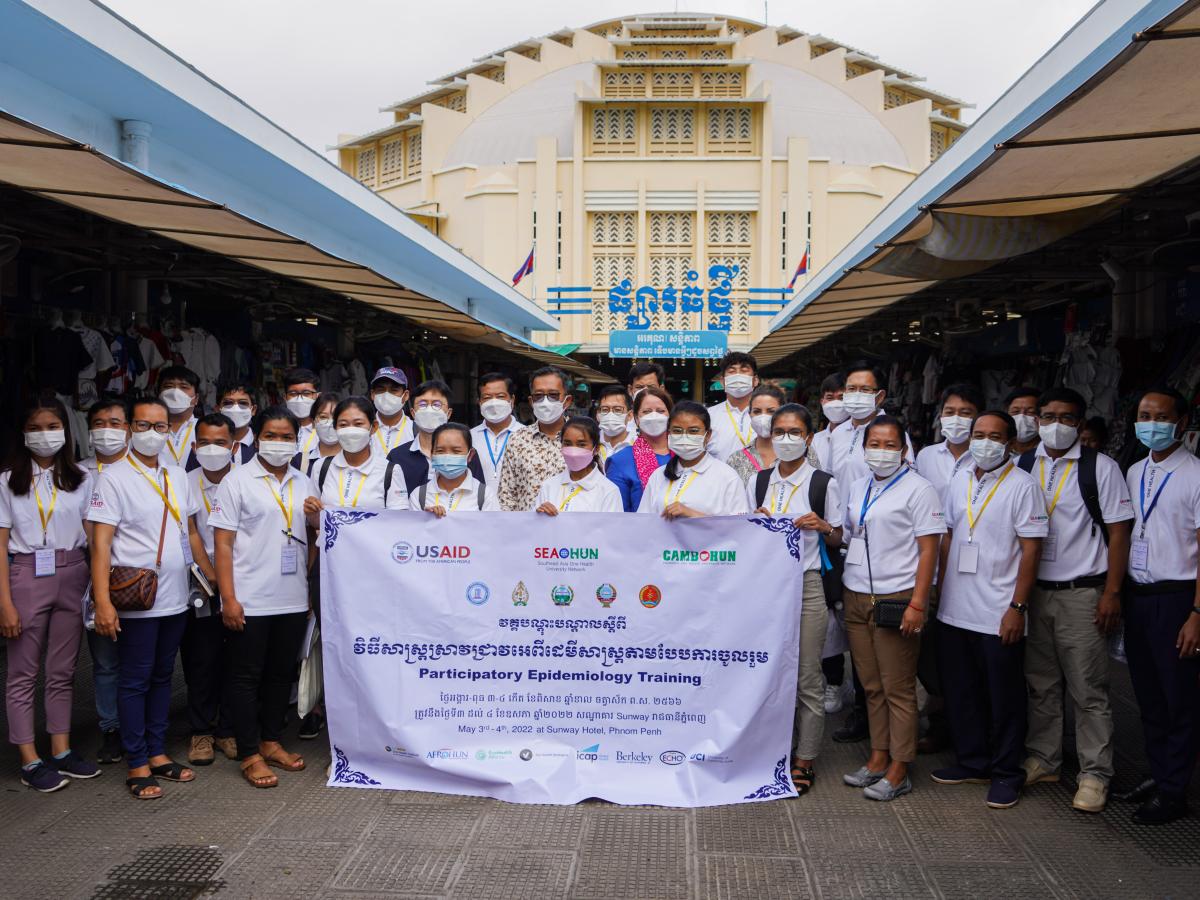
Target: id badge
1139	554
856	552
968	558
1050	547
43	562
289	560
186	546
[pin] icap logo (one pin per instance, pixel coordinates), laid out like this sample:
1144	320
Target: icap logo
402	551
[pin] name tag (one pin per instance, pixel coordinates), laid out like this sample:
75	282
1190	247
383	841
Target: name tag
186	546
43	562
1139	555
856	552
289	560
968	558
1050	547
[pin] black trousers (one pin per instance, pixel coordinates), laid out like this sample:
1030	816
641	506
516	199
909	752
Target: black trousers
261	667
983	683
1167	687
202	652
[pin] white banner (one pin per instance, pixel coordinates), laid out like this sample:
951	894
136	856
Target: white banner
548	660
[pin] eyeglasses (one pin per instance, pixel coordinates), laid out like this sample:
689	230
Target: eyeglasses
606	410
300	395
546	395
794	432
694	431
430	404
140	425
1065	419
326	419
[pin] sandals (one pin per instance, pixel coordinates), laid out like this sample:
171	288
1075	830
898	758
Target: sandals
259	781
172	771
281	759
803	778
139	786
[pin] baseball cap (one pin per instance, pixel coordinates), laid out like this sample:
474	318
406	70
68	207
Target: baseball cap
390	372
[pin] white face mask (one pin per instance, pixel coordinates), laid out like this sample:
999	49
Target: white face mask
213	458
613	424
956	429
326	432
653	423
45	443
301	407
988	454
761	425
177	400
353	439
1058	436
428	418
277	453
148	443
387	404
548	411
108	440
495	411
239	416
859	405
1027	426
789	448
738	386
883	462
835	411
686	446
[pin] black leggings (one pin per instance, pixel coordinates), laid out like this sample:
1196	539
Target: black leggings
261	662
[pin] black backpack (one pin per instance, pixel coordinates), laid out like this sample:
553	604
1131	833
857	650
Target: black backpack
423	492
328	461
1089	487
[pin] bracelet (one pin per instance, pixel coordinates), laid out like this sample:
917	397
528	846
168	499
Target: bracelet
919	609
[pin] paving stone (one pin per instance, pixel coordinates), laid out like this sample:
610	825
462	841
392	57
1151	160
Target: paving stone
763	829
283	868
733	876
536	827
892	877
631	853
425	825
985	882
495	874
397	869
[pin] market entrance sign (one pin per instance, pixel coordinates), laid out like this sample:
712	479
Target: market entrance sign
668	344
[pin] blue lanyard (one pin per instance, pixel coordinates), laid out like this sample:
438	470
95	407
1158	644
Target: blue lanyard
504	446
1146	513
868	502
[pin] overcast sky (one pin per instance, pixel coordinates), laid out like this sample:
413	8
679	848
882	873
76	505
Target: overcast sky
320	68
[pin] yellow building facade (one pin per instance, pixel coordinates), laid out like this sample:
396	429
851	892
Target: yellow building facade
669	171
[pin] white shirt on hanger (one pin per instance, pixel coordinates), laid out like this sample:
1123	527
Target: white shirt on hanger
592	493
710	486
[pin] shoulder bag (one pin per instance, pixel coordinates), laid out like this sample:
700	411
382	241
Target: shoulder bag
131	589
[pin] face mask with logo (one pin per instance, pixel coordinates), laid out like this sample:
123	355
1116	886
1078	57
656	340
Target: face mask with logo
1058	436
148	443
277	453
859	405
738	386
988	453
1026	426
956	429
835	411
495	411
108	440
761	425
613	424
449	465
577	458
300	406
45	443
326	431
177	400
686	446
388	404
548	411
213	458
429	419
653	423
1155	435
789	448
353	439
883	462
238	415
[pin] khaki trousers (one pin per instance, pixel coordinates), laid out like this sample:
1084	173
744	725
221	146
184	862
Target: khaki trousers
1065	648
886	662
808	725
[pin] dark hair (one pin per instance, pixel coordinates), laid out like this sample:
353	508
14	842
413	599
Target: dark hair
215	420
882	421
492	377
614	390
768	390
794	409
653	392
362	404
1023	391
451	426
1099	426
178	373
548	370
428	387
833	383
1009	422
231	387
964	391
300	376
146	401
103	405
276	412
863	366
327	397
685	408
591	428
642	369
67	474
738	358
1063	395
1182	408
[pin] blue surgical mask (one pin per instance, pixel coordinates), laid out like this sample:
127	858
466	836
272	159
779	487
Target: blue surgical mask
449	465
1156	435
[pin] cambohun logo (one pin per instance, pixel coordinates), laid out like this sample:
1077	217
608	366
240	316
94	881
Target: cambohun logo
702	557
566	552
478	593
562	594
402	551
606	594
520	594
650	596
671	757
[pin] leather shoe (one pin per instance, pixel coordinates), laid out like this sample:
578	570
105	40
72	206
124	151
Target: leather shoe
1139	792
1160	809
854	729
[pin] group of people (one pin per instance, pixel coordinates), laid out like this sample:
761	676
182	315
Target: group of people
1007	553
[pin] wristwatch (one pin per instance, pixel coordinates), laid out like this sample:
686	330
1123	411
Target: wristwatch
1022	608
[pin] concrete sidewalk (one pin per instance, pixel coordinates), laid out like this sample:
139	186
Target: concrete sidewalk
219	837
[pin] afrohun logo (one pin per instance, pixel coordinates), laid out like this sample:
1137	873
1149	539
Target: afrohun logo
566	553
703	557
671	757
404	552
591	754
478	593
447	753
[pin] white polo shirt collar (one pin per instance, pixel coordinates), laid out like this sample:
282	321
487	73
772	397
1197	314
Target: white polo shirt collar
1172	553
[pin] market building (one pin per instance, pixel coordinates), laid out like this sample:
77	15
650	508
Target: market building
667	172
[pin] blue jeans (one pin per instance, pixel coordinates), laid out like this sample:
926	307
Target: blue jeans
105	666
147	649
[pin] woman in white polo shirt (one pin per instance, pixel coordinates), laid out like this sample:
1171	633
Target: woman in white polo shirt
360	476
893	524
322	442
582	487
451	486
143	513
693	484
263	552
788	489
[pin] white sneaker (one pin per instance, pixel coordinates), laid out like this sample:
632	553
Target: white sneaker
836	697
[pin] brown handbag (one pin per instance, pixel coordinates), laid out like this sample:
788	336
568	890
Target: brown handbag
131	589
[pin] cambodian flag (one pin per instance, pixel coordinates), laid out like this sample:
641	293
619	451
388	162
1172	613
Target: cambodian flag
526	269
800	269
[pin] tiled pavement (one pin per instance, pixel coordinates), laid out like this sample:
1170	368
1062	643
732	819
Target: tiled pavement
218	837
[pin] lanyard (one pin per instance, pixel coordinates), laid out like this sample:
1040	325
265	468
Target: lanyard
342	489
750	456
745	441
1146	513
174	510
286	510
312	436
203	494
868	502
691	476
487	439
1061	482
43	515
172	445
563	504
972	519
778	501
437	499
398	428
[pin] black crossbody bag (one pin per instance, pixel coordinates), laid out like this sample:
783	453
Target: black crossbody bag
888	613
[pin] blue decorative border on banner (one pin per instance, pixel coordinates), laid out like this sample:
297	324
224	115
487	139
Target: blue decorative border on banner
336	518
780	787
344	774
795	536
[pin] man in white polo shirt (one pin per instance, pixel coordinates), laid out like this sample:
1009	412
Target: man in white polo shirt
1162	602
497	394
862	398
731	430
996	521
1077	601
939	463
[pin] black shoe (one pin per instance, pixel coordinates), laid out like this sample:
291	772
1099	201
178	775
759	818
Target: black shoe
853	729
311	725
111	750
1160	809
1139	792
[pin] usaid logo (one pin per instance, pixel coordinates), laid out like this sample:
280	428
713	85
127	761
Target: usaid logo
671	757
402	552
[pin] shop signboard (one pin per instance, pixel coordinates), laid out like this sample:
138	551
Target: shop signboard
668	344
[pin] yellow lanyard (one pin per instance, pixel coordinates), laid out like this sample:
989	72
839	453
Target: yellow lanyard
972	519
43	515
174	510
437	500
687	481
387	445
1061	482
171	445
278	495
203	494
736	430
342	488
563	504
312	436
779	498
